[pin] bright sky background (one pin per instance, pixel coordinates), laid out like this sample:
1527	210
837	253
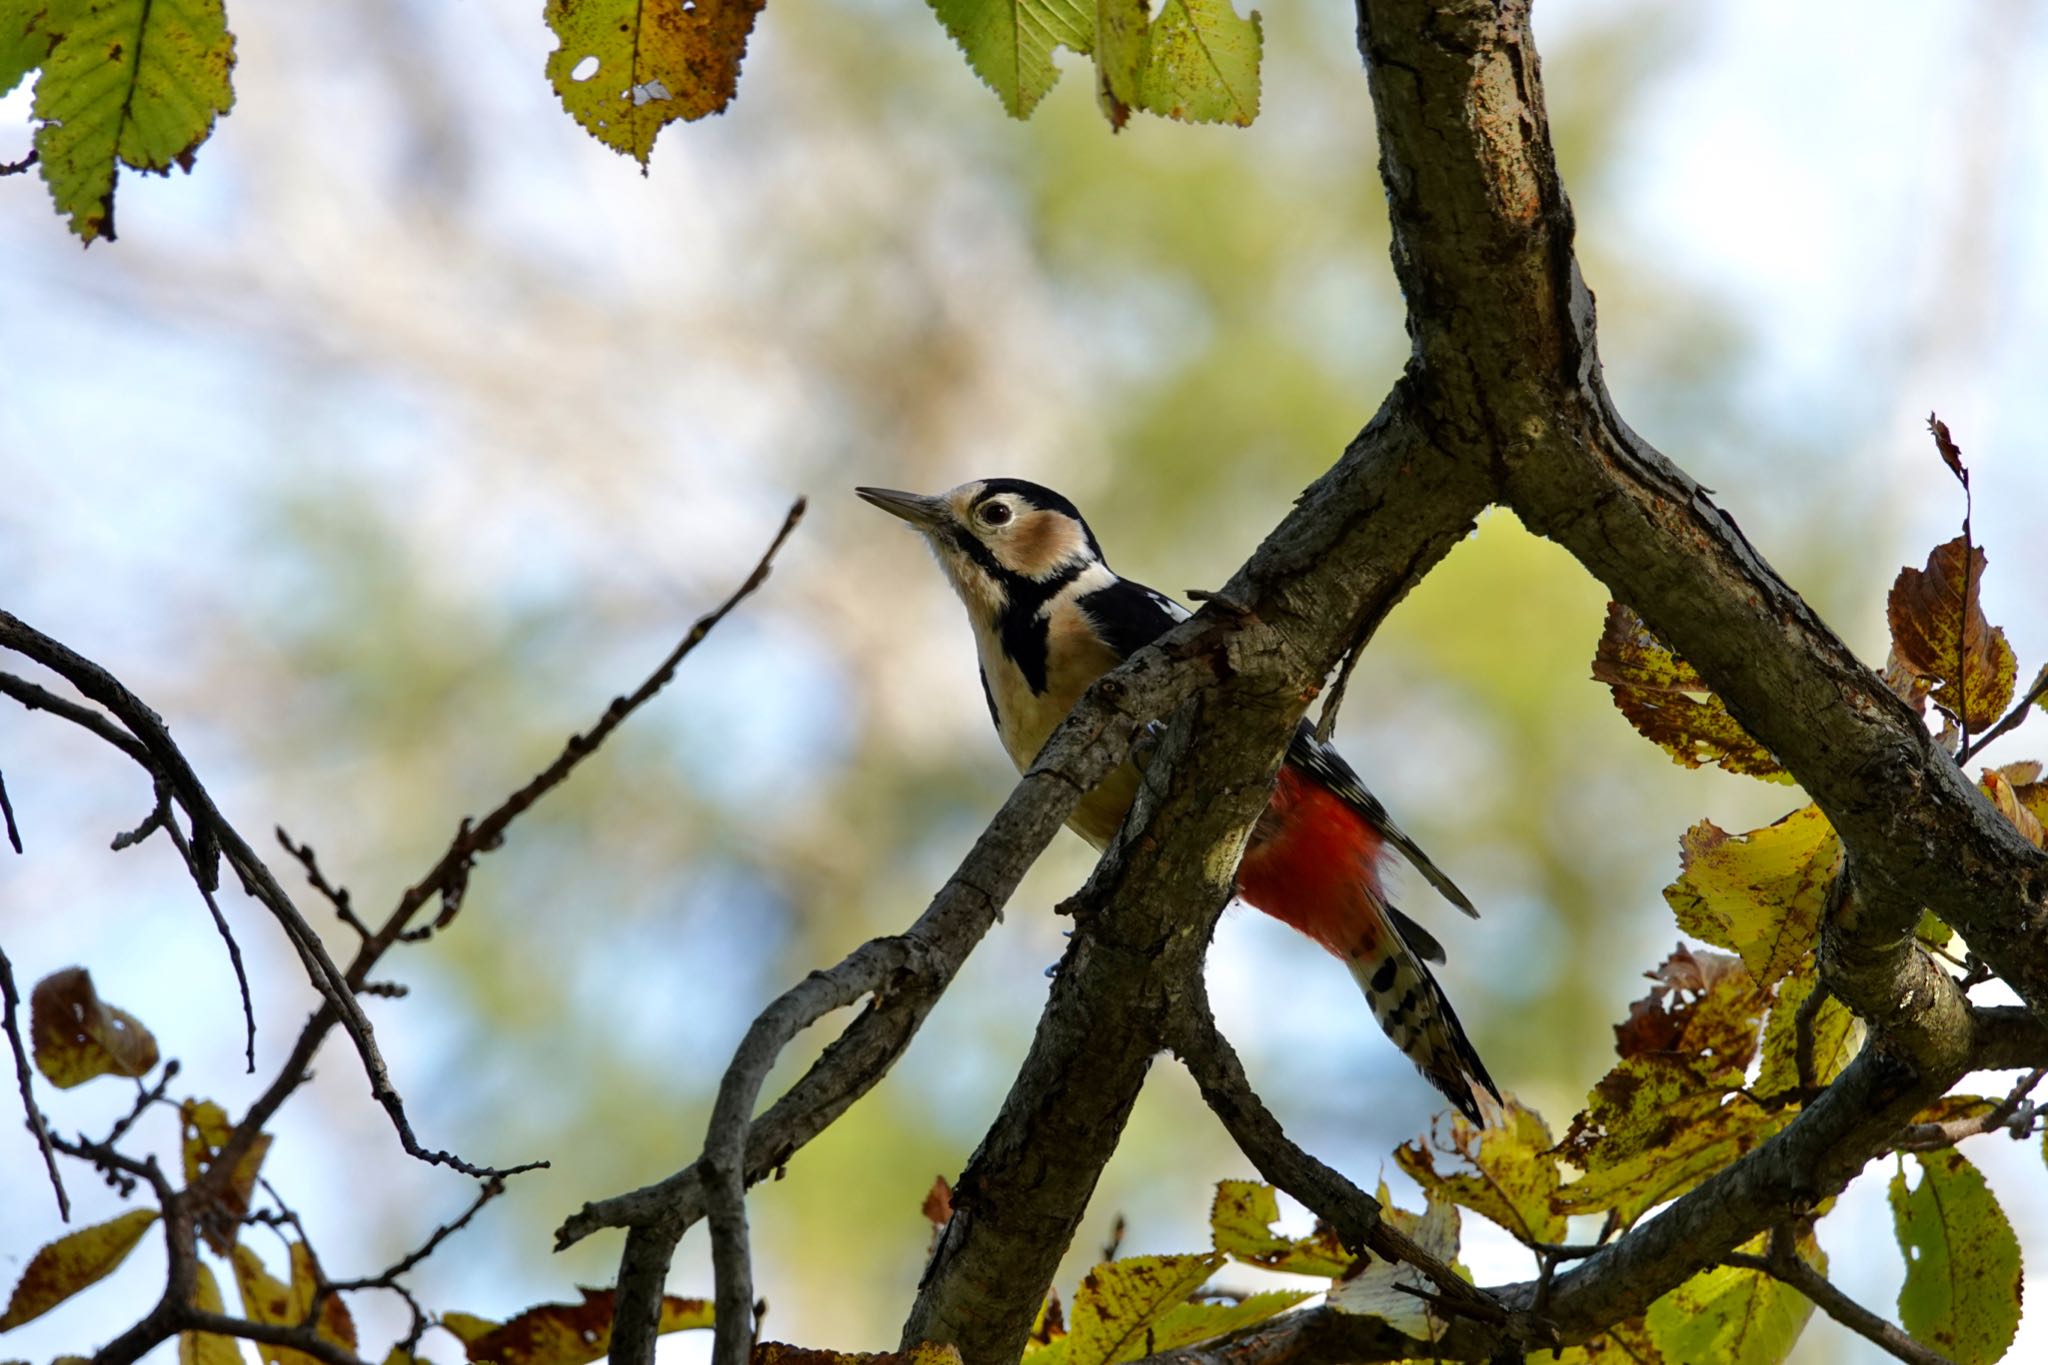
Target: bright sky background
1861	185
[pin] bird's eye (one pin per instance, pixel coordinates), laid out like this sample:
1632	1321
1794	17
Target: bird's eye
994	513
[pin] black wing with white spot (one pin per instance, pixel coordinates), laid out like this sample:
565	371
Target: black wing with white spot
1128	616
1327	766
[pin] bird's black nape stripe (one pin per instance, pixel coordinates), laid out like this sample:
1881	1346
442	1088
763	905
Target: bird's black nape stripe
1039	496
1022	629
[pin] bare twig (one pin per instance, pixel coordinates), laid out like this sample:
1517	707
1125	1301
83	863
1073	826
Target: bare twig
337	896
17	167
11	996
2014	1112
42	699
1786	1265
7	812
227	936
145	1096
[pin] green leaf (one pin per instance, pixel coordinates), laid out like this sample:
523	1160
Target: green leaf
1962	1289
1939	632
1625	1343
1670	705
1196	1322
1241	1223
74	1262
1120	1300
1202	64
1837	1034
1009	43
1731	1316
134	82
1512	1177
1760	894
1120	45
626	69
27	33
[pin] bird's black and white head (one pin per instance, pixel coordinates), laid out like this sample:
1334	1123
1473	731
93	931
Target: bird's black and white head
1003	543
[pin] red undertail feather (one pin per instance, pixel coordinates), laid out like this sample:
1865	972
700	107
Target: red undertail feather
1313	863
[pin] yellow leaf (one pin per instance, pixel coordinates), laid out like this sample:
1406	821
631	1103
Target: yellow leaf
1241	1225
1625	1343
78	1036
626	69
1939	632
1510	1176
72	1263
336	1325
1732	1316
130	82
1670	705
1837	1034
1009	43
206	1129
1998	785
1761	893
1202	63
207	1348
1119	1300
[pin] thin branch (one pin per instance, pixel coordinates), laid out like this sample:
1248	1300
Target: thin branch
42	699
17	167
1786	1265
10	1001
388	1278
337	896
227	936
7	812
2014	1112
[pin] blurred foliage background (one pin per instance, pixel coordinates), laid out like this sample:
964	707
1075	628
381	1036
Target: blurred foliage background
381	451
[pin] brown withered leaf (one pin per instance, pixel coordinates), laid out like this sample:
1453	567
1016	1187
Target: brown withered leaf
1951	453
1910	687
565	1333
77	1036
1670	705
938	1202
1658	1021
206	1129
1940	632
1050	1324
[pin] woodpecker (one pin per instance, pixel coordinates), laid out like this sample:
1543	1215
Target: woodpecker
1050	617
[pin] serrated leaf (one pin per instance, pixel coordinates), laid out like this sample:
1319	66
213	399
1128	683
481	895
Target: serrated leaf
1511	1175
626	69
1760	894
1380	1290
1670	705
76	1036
1939	631
563	1333
207	1348
1119	1300
1732	1316
1202	64
1009	43
130	82
73	1262
336	1325
205	1129
1963	1276
1837	1034
1241	1226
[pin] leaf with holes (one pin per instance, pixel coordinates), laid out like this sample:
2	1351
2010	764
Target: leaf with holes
1670	705
626	69
1962	1289
1760	894
206	1130
1733	1316
1939	632
74	1262
562	1333
1241	1225
1510	1175
134	83
77	1036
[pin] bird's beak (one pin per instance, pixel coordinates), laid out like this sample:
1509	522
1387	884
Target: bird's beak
924	513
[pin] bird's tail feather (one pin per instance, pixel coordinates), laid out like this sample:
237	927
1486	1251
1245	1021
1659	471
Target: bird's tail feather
1412	1009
